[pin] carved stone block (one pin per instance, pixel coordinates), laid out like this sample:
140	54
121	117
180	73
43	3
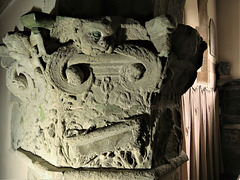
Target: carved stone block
100	92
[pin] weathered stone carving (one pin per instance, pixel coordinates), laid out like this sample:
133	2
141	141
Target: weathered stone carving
100	93
223	69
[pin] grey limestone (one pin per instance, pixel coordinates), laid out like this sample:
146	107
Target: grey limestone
100	93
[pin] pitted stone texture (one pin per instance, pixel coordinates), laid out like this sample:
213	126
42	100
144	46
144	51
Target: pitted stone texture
40	169
100	93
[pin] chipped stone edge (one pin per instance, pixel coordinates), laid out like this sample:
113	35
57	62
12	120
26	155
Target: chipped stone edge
47	171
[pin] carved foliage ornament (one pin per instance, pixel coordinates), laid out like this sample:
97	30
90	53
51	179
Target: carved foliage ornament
102	92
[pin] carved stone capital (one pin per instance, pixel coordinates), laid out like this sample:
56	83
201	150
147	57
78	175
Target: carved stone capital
100	92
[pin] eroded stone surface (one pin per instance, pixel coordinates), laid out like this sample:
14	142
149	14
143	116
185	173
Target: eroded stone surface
40	169
100	93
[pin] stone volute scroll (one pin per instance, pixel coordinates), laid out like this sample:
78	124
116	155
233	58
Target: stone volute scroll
100	97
